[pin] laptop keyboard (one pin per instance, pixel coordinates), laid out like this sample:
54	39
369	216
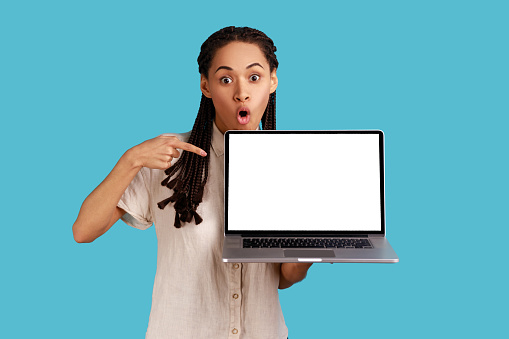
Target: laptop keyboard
306	243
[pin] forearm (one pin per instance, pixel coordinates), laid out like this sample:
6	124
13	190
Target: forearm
99	208
292	273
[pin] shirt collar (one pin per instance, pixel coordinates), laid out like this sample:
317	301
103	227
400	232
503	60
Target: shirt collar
217	140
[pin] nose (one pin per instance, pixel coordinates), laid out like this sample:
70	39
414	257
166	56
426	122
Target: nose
241	92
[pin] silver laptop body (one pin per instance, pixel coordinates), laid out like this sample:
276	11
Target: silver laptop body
305	196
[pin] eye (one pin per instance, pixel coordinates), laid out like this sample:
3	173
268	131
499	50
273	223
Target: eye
254	77
226	80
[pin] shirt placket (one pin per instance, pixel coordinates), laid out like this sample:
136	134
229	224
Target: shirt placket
235	300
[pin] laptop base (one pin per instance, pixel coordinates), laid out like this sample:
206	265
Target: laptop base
381	252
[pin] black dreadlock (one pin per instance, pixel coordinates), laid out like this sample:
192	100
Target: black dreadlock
191	170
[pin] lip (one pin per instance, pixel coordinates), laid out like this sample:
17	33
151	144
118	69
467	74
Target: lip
243	120
243	108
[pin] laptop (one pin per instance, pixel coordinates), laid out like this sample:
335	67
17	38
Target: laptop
305	196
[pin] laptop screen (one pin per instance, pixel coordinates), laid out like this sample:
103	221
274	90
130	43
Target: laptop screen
304	181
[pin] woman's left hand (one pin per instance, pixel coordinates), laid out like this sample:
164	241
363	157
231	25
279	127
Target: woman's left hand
291	273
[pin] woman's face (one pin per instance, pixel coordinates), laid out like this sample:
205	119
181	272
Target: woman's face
239	83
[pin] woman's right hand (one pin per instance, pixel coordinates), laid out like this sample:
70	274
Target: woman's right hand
158	153
99	211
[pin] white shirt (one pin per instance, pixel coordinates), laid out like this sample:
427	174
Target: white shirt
195	294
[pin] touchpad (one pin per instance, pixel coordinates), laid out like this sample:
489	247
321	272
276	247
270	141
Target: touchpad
309	253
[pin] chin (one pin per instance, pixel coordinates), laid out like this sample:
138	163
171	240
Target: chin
247	127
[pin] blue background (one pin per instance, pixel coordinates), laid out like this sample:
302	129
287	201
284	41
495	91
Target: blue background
83	81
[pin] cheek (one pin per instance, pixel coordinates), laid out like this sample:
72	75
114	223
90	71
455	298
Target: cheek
219	99
262	101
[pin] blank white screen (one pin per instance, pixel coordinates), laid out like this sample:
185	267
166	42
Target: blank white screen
304	182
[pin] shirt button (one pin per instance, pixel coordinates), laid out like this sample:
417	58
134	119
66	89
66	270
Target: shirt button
235	296
236	266
235	331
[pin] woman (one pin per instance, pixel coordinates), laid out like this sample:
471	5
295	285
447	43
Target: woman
195	294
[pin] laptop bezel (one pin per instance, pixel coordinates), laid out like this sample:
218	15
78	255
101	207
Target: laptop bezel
305	233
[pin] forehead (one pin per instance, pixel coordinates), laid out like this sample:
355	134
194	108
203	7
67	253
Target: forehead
238	55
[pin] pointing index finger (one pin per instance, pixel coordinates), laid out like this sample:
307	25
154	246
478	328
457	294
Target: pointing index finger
190	148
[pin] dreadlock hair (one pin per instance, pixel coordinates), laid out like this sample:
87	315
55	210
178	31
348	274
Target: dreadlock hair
191	171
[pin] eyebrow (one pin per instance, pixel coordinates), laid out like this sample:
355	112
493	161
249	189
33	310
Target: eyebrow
231	69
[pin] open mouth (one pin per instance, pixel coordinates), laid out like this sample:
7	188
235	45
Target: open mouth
243	115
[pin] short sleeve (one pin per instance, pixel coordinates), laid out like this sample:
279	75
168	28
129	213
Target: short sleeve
136	202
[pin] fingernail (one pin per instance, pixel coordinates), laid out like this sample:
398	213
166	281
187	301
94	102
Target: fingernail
203	153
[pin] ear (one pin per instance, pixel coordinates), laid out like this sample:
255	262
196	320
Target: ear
273	81
204	86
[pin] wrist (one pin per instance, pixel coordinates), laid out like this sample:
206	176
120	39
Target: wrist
131	159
